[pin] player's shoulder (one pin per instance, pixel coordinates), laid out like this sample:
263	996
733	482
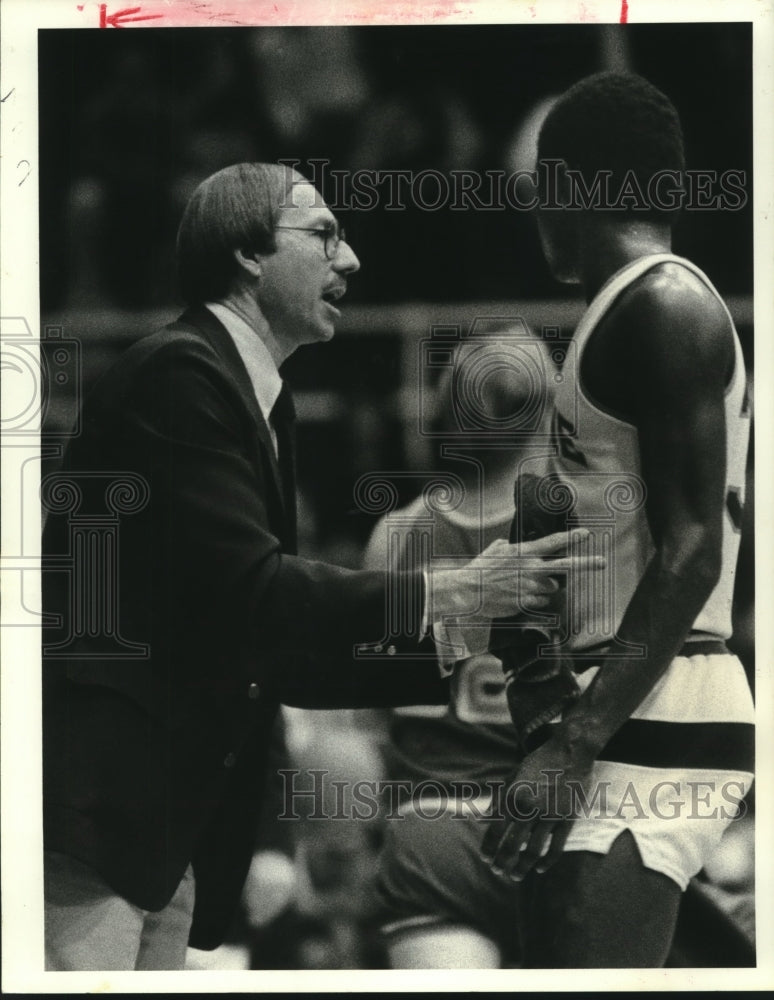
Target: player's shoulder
671	310
671	293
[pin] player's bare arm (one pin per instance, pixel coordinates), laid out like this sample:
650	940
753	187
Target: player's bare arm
661	360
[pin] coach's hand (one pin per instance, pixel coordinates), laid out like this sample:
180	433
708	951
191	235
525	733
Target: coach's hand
532	823
511	579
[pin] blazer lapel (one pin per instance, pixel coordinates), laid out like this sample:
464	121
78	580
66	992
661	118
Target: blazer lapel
204	322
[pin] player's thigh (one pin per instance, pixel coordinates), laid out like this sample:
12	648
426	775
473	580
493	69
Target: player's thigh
601	911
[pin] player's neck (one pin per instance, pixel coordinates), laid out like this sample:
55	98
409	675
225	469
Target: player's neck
607	245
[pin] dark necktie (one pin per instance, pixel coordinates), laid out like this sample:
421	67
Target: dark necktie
283	415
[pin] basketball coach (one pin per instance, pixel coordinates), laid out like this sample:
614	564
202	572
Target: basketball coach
153	766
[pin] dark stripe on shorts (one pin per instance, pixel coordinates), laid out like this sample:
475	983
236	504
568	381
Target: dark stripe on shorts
595	655
712	745
704	647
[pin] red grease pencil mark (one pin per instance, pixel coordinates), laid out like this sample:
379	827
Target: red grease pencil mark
584	15
192	13
122	15
624	11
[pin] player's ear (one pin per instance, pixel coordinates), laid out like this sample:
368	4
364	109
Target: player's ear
249	262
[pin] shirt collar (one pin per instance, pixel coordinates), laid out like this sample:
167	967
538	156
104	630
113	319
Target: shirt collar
264	377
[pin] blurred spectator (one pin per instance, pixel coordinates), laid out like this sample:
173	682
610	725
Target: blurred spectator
329	922
440	906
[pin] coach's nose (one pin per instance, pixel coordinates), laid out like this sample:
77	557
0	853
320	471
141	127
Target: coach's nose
345	261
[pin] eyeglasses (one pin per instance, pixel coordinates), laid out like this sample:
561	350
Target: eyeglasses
332	237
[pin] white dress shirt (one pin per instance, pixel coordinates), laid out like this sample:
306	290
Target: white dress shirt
265	379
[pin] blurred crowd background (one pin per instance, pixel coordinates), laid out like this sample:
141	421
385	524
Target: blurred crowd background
132	121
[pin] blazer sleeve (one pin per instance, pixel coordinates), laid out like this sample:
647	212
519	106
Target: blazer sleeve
218	574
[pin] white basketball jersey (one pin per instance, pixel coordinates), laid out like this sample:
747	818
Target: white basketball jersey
595	473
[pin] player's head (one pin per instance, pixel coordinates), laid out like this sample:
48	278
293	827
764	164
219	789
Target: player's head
264	231
617	131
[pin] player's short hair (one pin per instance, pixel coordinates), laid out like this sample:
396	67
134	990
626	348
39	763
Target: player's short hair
616	122
234	209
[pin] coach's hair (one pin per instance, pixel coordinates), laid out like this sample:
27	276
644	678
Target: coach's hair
234	209
616	122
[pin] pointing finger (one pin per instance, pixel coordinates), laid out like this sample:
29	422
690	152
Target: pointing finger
559	541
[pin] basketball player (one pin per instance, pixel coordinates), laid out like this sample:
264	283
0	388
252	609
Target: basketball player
633	784
441	907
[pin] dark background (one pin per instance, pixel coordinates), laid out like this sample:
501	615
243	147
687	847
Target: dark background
130	121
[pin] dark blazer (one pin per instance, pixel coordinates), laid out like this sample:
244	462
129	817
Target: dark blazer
155	760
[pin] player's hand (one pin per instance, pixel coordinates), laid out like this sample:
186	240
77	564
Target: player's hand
531	825
508	579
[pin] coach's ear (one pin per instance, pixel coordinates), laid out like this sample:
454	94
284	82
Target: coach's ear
250	264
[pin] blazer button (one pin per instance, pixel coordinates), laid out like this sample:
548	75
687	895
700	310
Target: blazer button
229	760
253	692
391	651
